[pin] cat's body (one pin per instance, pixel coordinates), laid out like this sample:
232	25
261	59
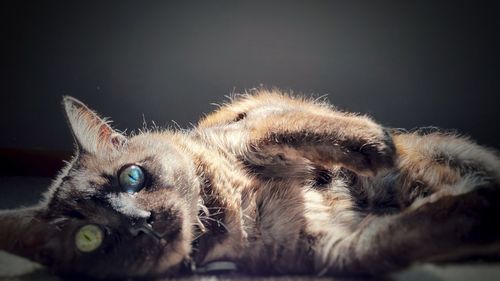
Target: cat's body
275	184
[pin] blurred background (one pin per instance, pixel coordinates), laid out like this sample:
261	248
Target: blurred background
406	63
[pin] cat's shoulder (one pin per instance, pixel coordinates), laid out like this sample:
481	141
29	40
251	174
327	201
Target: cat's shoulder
260	102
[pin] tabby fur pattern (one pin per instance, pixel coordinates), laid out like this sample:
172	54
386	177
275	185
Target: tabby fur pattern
276	184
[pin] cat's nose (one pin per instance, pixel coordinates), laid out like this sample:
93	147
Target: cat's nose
139	217
145	228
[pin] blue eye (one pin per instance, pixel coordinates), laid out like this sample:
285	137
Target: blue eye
131	178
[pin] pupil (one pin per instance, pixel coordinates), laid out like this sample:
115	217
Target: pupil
132	179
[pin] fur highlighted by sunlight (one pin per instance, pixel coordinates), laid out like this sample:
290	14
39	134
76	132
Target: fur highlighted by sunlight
276	184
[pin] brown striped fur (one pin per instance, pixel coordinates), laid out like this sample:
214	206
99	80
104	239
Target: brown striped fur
275	183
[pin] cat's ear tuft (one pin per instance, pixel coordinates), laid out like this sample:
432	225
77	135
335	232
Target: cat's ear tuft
92	134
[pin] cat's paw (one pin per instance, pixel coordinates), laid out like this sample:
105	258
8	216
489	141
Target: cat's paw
372	152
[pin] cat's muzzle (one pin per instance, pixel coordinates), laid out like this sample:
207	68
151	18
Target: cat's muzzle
147	229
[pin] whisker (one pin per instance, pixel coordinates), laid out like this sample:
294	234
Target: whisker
219	223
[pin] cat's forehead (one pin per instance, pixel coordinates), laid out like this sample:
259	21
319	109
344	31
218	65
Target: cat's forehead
108	164
97	174
139	149
156	157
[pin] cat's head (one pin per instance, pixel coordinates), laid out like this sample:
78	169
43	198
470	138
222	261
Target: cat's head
123	206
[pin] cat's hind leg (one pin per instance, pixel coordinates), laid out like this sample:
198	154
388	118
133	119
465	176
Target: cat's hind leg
451	228
455	218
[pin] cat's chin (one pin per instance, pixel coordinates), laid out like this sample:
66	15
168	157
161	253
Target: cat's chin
169	257
167	263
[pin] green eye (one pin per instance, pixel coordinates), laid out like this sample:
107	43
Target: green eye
88	238
131	178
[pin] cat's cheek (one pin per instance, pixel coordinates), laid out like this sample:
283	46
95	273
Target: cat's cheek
58	251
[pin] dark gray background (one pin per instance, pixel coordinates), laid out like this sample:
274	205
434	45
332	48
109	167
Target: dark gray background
406	63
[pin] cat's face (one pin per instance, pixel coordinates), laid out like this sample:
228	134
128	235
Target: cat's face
122	207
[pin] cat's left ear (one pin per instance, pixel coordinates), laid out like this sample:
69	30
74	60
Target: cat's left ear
27	232
92	134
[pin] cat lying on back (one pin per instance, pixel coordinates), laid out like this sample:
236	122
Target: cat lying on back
273	183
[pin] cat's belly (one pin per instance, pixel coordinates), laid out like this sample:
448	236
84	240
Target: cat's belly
283	224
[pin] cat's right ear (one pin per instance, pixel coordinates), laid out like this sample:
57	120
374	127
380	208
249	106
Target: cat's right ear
92	134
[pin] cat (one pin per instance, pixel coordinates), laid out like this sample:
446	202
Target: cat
270	182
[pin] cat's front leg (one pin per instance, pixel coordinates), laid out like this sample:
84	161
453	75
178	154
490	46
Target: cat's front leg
355	142
282	136
450	228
